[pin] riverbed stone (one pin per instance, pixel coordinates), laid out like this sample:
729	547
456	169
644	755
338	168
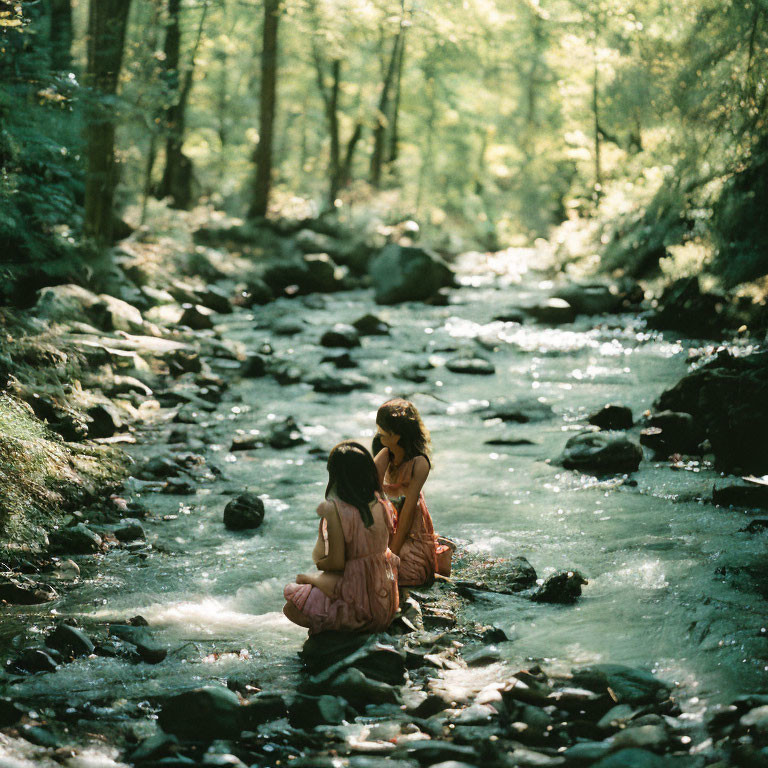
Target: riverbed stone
10	711
149	649
405	273
285	434
104	420
552	311
256	293
520	410
631	758
612	417
202	715
561	587
476	366
670	432
254	367
602	452
70	640
728	397
593	298
21	590
740	493
34	660
756	722
434	751
246	512
628	684
308	711
759	525
652	737
587	752
154	747
341	335
130	529
197	317
330	384
378	660
310	273
371	325
360	690
75	540
215	298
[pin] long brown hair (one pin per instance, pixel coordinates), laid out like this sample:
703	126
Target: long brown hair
352	476
401	418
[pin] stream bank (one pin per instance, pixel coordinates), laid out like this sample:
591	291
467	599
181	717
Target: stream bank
255	403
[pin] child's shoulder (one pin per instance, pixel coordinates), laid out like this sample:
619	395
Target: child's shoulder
325	508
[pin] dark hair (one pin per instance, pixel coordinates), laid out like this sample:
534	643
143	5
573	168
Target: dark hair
401	418
352	476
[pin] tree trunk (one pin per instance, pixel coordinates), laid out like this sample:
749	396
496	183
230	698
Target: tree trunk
107	22
176	182
267	103
61	35
394	137
596	114
380	131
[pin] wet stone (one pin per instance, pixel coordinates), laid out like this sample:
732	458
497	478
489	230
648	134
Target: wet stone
254	367
612	417
759	525
608	452
70	640
256	293
308	711
740	493
34	660
668	432
401	274
482	657
560	587
104	421
477	366
196	317
552	312
631	758
371	325
42	737
360	690
147	647
431	752
246	442
521	410
587	752
288	327
341	335
285	435
340	360
21	591
153	748
10	711
202	715
629	685
130	530
246	512
339	385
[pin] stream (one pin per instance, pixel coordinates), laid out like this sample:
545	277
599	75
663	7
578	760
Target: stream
672	585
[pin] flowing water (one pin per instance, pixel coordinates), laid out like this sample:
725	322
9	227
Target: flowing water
673	585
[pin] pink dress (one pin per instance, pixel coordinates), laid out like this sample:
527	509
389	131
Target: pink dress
418	555
365	598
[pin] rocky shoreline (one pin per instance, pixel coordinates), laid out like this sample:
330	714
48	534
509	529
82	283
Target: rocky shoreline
433	691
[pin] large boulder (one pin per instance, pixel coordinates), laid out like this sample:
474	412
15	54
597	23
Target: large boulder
602	452
728	399
669	432
401	273
561	587
204	714
612	417
311	273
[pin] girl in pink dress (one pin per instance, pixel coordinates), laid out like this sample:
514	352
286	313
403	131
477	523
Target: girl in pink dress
403	465
356	587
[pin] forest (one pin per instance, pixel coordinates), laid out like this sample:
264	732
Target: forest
618	128
383	383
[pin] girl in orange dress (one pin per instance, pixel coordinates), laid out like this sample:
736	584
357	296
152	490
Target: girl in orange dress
403	465
356	586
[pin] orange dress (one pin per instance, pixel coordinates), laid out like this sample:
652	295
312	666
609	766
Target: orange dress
365	598
418	555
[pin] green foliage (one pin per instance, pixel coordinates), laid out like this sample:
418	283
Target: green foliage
739	223
41	179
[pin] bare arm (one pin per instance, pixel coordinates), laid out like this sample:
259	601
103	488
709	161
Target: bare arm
335	559
408	513
381	461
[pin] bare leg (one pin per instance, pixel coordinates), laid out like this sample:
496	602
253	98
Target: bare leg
292	613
